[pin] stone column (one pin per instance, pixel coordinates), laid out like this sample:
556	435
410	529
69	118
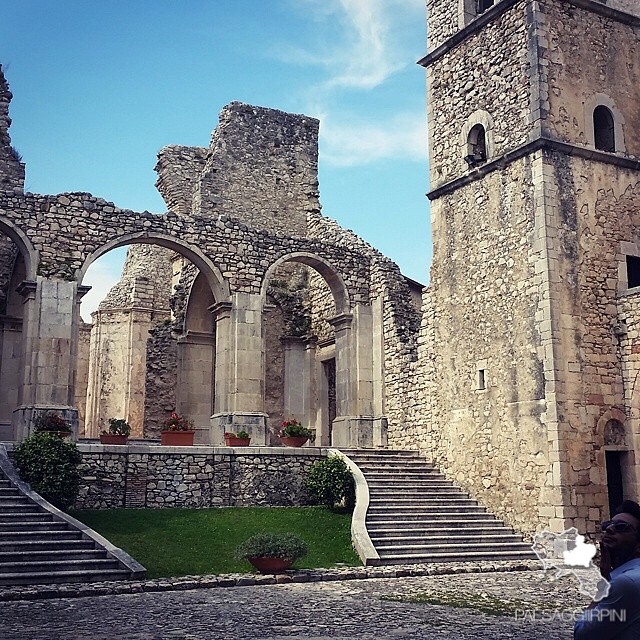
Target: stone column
49	329
299	357
194	393
355	425
239	370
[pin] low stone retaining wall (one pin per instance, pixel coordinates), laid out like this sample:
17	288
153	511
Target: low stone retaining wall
142	475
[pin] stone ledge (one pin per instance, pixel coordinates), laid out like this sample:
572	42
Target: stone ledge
156	449
83	590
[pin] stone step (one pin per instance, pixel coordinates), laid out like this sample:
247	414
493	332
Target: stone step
8	490
52	556
28	545
494	555
43	536
40	566
450	501
412	490
416	521
60	577
409	538
26	507
26	525
424	532
428	548
427	510
22	516
7	500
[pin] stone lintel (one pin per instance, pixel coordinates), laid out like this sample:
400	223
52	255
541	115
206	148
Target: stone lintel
197	337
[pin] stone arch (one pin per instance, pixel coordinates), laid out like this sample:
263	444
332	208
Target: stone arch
216	280
603	100
328	272
27	250
477	119
607	424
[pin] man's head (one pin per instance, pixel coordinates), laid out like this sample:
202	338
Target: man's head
622	533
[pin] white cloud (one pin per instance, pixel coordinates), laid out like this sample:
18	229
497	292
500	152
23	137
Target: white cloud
348	143
365	47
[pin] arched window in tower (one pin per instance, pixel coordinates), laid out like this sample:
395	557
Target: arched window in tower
476	146
604	129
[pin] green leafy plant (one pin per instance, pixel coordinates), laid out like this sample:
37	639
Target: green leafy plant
292	429
272	545
118	427
243	435
50	466
177	423
50	421
330	482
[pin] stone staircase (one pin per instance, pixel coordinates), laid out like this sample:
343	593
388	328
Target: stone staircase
41	545
415	515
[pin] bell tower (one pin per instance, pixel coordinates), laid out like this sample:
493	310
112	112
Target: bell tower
534	145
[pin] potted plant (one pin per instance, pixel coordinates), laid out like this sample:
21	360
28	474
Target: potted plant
240	439
293	434
118	433
177	431
272	552
52	422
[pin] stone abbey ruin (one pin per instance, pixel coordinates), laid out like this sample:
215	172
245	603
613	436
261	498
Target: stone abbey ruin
515	370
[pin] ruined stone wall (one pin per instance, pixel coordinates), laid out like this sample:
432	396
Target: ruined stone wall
11	167
152	477
490	63
274	328
161	377
8	255
262	169
67	228
179	170
400	319
580	65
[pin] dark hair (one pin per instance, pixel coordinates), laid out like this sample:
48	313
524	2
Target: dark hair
633	509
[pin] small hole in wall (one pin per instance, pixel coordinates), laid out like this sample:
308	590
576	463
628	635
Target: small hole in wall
481	380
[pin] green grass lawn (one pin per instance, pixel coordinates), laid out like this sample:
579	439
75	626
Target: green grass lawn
178	542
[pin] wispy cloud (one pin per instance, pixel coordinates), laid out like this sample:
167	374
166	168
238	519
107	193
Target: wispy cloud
364	44
361	45
349	143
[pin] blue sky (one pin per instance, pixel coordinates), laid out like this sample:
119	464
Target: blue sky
100	87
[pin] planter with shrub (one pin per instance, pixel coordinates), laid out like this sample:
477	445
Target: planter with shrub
272	552
118	432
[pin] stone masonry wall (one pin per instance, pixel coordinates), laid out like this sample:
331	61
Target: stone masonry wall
179	169
468	78
11	167
262	169
401	321
142	476
580	65
480	315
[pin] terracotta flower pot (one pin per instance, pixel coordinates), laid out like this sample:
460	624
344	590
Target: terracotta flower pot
112	438
293	441
176	438
271	565
232	441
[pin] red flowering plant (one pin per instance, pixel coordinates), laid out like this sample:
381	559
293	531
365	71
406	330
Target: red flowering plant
293	429
177	423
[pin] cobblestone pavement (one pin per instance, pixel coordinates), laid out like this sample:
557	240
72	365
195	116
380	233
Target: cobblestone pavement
354	609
